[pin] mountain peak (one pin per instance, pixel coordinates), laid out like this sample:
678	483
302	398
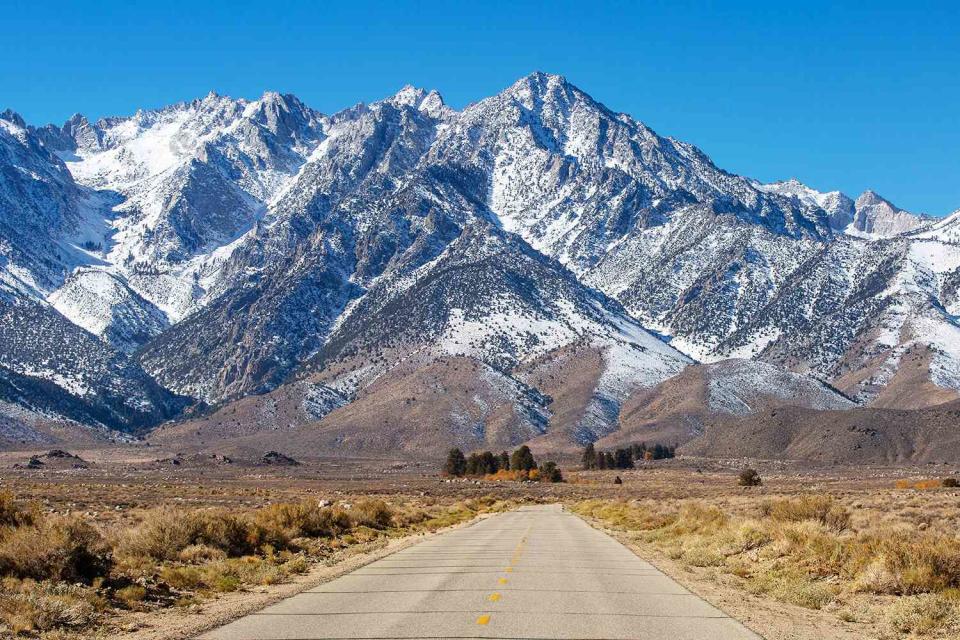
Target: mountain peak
76	119
409	96
13	117
429	102
871	198
543	78
539	84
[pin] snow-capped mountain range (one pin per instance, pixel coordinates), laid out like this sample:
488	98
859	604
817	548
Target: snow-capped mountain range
222	249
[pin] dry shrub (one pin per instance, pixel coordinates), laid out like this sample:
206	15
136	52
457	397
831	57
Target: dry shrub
876	578
748	536
618	513
793	586
285	521
410	516
165	533
698	518
13	515
200	554
230	574
28	606
703	555
822	509
55	549
818	551
371	513
923	614
749	478
921	563
505	475
131	596
920	485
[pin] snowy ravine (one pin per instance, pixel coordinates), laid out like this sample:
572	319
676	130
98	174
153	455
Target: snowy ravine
223	247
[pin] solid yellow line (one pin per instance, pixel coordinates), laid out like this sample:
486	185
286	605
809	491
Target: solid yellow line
483	619
494	597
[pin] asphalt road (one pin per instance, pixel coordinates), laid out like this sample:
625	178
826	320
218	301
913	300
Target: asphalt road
534	573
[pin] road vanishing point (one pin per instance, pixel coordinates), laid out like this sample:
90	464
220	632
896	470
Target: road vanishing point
535	573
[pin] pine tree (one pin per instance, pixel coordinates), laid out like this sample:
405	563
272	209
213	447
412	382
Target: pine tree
504	461
589	457
522	460
550	472
456	464
601	460
624	460
611	461
488	463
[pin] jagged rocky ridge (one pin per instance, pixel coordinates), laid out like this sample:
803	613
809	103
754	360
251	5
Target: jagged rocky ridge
221	248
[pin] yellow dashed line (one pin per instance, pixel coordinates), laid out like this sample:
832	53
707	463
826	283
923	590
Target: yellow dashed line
494	597
509	569
483	619
503	581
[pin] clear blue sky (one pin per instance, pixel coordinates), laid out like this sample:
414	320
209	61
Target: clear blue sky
841	95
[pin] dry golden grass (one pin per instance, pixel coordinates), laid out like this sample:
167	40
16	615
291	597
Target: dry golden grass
806	551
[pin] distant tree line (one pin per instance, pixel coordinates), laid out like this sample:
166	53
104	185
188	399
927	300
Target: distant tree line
521	463
625	458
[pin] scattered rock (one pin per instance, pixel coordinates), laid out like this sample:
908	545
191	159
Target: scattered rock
278	459
60	453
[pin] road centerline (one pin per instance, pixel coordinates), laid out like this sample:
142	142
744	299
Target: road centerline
564	581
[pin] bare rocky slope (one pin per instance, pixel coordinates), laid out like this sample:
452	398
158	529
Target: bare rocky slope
856	436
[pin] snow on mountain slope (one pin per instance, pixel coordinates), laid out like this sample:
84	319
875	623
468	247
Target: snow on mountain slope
186	182
491	298
44	214
71	373
735	386
945	230
106	306
352	214
237	245
574	179
838	205
869	216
